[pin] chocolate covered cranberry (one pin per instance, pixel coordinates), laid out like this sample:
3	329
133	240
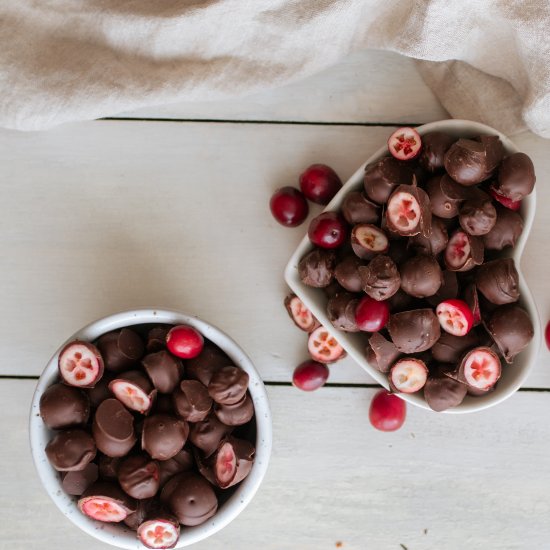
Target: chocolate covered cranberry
228	385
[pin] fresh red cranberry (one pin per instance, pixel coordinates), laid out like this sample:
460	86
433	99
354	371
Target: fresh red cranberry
184	341
319	183
372	315
288	206
328	230
310	375
387	411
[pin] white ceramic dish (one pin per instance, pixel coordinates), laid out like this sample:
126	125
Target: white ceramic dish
118	534
512	375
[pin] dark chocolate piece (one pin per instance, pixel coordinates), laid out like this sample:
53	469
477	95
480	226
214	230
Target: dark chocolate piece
75	483
70	450
498	281
163	436
156	338
62	406
383	176
421	276
100	391
316	268
135	519
346	273
190	498
381	353
434	147
181	462
164	370
113	428
435	243
191	400
238	414
447	290
138	476
228	385
398	251
356	208
511	328
472	299
506	231
450	348
442	393
206	435
380	278
470	162
209	360
341	312
164	404
401	301
516	177
478	216
440	204
415	330
108	466
120	349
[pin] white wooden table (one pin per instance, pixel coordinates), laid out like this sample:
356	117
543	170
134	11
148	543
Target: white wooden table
169	207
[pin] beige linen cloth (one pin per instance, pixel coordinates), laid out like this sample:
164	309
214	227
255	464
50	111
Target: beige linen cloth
65	60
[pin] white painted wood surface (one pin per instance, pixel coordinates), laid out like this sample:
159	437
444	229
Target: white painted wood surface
108	215
368	86
473	482
111	215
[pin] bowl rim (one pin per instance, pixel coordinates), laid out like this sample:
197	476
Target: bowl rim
527	301
118	534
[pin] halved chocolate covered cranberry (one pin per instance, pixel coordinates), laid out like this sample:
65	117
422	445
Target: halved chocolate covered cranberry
300	314
405	143
368	240
463	252
135	390
481	368
161	531
408	375
408	211
80	364
104	501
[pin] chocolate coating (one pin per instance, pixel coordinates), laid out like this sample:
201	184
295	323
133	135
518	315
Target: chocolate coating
421	276
511	328
191	401
472	299
440	204
120	349
469	162
516	177
316	268
346	273
163	369
100	391
113	428
138	476
478	216
401	301
108	491
163	436
498	281
381	353
209	360
62	406
156	338
435	243
380	278
238	414
341	312
450	348
228	385
181	462
442	393
75	483
506	231
135	519
424	225
415	330
206	435
434	147
190	498
398	251
383	176
108	466
447	290
71	450
356	208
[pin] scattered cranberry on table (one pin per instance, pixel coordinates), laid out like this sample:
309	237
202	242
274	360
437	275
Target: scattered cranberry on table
319	183
387	411
289	207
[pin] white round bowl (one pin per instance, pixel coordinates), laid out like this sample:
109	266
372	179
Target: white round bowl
118	534
514	375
